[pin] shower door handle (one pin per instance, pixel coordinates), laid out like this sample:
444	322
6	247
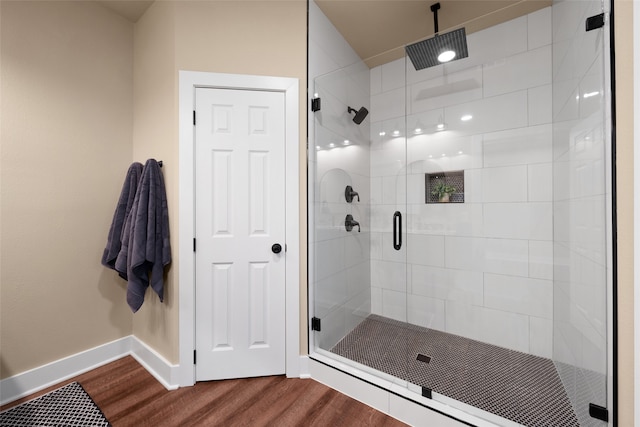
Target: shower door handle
397	230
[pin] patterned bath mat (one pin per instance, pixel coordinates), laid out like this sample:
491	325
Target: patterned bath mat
67	406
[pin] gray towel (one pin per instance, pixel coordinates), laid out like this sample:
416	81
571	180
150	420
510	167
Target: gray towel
145	245
127	195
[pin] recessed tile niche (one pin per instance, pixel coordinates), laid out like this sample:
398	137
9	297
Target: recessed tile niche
454	179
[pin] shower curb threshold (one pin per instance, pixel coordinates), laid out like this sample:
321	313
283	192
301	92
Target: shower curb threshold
392	396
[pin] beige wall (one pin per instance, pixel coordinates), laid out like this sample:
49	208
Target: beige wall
65	135
155	136
244	37
624	161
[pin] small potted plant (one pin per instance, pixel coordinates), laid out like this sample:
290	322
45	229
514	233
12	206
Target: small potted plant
443	191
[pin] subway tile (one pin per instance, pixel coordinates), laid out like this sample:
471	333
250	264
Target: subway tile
376	190
450	89
447	284
357	247
522	295
389	253
329	220
376	245
375	80
344	160
508	111
425	152
540	182
539	105
388	105
504	184
393	75
359	279
376	300
510	330
427	312
541	337
330	293
541	259
330	258
333	328
473	186
425	249
382	217
518	220
416	188
389	275
464	253
394	188
415	76
459	219
506	256
357	308
390	159
517	72
394	305
518	146
539	28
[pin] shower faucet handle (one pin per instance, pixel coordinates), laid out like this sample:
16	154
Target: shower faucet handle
349	194
349	223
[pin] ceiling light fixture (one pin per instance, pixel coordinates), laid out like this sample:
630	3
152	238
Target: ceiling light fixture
446	56
466	117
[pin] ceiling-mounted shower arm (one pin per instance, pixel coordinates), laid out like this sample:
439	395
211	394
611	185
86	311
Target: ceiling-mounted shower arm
434	9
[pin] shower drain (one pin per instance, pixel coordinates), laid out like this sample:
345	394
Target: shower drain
423	358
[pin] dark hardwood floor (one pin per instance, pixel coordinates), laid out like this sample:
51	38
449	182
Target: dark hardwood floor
129	396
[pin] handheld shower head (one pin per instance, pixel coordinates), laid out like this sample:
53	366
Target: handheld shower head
360	114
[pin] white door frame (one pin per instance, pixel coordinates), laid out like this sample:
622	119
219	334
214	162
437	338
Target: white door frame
188	81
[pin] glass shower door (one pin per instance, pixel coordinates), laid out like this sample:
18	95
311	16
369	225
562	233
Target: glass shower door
358	259
582	204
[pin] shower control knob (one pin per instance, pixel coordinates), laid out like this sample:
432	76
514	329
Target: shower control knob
276	248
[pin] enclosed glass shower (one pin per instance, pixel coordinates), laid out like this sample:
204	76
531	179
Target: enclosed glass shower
460	233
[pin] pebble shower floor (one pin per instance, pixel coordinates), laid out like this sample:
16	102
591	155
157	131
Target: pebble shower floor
514	385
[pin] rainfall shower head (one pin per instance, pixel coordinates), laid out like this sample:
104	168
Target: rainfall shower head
440	48
360	114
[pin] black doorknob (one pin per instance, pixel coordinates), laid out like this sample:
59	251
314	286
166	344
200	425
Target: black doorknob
276	248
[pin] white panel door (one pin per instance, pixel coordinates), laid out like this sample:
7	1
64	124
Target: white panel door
240	215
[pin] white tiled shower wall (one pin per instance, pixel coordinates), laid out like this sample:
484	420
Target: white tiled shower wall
483	268
340	267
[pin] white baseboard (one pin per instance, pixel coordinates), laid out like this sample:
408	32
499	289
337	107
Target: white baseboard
304	367
166	373
44	376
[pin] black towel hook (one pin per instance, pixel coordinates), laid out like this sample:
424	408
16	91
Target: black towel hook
160	163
